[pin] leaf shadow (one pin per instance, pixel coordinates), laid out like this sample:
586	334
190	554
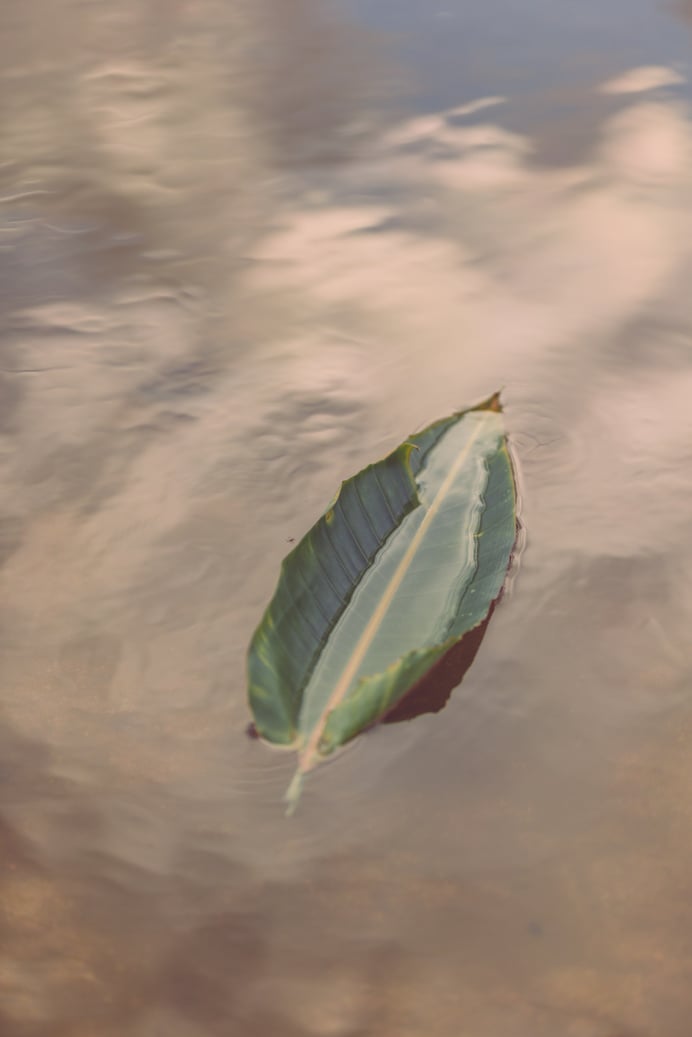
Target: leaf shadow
432	692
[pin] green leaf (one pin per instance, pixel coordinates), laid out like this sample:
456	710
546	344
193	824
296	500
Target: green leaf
409	558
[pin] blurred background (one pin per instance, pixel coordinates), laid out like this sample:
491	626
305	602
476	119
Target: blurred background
246	246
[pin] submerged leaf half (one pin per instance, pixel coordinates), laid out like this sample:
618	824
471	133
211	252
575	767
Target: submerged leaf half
406	561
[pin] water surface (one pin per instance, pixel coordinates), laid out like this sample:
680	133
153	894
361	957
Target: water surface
245	249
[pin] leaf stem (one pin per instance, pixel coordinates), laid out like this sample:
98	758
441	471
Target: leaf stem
292	796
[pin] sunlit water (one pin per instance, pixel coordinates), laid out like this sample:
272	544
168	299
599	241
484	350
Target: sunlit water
245	249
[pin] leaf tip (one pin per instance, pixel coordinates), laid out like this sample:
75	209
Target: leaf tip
493	403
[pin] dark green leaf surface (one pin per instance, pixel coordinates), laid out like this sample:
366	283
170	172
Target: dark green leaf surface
409	558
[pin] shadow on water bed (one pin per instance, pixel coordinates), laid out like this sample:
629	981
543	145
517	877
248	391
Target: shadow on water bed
97	945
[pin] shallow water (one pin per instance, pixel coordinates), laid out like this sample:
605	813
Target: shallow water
245	249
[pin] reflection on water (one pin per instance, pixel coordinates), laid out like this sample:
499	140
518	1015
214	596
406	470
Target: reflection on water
231	279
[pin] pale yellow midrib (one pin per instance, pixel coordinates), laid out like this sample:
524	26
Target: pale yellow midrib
375	621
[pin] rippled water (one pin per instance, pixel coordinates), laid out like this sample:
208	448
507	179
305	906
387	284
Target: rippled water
244	249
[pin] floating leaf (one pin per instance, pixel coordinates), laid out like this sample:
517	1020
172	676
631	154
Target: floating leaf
408	560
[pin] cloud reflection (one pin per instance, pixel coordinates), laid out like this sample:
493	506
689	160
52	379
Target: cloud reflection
216	312
484	268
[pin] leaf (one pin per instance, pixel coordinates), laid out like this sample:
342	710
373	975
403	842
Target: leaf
407	560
